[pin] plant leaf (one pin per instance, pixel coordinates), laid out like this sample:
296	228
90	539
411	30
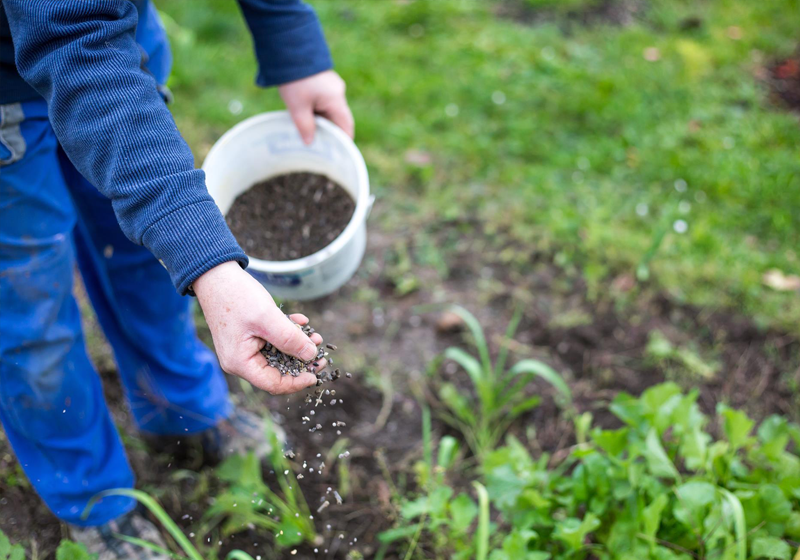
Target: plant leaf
502	356
694	500
540	369
739	522
68	550
524	406
658	462
457	403
398	533
152	505
11	552
477	334
469	363
736	425
463	511
651	517
482	534
771	547
573	531
448	448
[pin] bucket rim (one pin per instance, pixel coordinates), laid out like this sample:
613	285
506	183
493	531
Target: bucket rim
363	201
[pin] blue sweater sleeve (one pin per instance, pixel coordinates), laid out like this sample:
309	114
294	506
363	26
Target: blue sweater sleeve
288	40
81	56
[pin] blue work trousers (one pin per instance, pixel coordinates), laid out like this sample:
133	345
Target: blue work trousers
51	399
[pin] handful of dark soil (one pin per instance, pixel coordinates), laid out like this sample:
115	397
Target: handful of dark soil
290	216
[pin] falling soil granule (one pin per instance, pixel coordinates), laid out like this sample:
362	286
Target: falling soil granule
290	216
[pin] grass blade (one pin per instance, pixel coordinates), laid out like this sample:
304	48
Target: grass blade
739	524
482	534
524	406
238	555
448	448
477	334
147	544
500	364
469	363
540	369
427	445
149	502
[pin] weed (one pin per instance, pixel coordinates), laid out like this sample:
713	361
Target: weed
9	551
248	501
443	517
677	360
659	488
498	394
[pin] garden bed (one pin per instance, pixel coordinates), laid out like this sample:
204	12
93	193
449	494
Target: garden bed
388	340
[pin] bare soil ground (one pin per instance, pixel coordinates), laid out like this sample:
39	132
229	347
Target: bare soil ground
388	341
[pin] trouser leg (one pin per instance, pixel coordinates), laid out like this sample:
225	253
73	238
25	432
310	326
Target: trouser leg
173	381
51	400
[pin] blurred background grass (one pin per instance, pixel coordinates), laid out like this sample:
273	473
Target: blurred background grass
597	139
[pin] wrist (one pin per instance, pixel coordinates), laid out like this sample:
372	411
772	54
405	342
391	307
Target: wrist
213	277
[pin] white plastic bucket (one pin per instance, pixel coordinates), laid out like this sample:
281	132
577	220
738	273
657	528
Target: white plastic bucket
269	144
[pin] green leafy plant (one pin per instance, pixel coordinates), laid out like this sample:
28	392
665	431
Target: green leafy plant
68	550
438	512
678	359
661	487
498	394
248	501
190	551
9	551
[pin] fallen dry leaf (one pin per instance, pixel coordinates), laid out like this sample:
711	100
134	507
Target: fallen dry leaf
418	158
781	282
623	283
652	54
449	322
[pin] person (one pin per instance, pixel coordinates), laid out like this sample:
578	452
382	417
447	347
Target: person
93	171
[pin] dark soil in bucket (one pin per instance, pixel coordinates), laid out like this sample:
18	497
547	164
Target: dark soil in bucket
290	216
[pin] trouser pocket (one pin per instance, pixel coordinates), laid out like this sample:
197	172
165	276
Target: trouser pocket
12	144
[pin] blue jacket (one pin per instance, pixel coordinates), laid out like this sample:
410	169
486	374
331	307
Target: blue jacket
100	86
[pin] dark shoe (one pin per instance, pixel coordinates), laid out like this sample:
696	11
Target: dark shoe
102	540
241	433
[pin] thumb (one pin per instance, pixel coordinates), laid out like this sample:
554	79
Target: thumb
281	332
303	117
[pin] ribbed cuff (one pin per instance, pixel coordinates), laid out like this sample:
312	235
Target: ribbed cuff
292	55
192	240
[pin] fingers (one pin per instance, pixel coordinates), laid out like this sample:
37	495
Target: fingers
271	381
299	318
302	320
303	117
277	329
323	363
339	112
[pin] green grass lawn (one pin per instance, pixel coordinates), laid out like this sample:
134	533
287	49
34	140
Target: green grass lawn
565	137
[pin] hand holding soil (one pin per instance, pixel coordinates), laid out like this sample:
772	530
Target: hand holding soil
241	315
